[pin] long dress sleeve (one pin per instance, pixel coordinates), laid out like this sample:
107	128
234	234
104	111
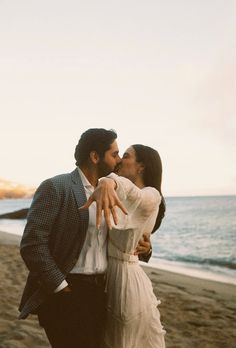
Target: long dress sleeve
141	204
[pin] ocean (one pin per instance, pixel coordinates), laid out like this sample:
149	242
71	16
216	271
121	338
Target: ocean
197	236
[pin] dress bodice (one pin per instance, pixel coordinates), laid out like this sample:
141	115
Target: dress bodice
115	251
142	206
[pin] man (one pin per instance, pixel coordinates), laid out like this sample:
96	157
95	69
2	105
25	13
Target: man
65	252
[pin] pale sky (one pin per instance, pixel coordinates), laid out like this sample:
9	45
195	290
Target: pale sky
161	73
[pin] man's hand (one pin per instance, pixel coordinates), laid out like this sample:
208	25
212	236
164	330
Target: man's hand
106	199
144	246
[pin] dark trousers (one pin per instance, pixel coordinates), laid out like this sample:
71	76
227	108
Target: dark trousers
75	319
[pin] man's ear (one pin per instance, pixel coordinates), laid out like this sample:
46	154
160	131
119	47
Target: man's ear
94	157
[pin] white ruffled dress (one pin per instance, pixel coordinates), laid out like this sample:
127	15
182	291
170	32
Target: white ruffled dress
133	320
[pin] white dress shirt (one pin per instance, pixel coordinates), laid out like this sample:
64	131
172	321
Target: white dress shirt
93	256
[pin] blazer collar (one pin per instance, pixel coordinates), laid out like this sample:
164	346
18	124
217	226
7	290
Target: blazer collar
78	188
76	177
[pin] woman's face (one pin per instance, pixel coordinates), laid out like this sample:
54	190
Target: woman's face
129	167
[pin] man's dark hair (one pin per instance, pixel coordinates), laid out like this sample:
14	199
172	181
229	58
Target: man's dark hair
93	139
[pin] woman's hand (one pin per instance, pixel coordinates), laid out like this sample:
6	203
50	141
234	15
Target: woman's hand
106	199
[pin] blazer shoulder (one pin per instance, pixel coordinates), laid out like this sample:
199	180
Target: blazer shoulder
58	181
62	181
60	178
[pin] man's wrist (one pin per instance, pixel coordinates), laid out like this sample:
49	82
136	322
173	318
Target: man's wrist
63	285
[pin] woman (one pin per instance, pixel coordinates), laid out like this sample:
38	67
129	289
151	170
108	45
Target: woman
133	320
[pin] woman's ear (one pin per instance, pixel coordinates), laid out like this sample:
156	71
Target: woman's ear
94	157
141	168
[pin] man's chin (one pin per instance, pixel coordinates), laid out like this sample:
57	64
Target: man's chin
119	172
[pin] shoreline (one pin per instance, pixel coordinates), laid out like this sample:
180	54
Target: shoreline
156	265
194	284
192	271
194	312
8	238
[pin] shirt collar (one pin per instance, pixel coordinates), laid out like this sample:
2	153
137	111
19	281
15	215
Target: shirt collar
84	180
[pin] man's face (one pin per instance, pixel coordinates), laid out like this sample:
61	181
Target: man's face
110	161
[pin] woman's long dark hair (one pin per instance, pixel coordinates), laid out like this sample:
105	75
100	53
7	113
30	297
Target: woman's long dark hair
152	175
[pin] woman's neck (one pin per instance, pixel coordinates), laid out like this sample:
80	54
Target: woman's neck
139	182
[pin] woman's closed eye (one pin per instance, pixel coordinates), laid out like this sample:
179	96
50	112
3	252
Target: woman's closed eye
125	155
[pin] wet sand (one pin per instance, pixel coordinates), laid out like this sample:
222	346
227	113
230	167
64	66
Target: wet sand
196	313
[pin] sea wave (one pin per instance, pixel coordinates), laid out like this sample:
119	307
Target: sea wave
226	263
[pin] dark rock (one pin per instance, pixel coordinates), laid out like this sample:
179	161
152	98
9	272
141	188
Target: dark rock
18	214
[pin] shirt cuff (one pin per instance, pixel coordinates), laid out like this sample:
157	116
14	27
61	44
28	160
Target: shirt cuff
115	178
63	285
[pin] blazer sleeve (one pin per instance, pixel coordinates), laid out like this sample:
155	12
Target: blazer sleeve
34	247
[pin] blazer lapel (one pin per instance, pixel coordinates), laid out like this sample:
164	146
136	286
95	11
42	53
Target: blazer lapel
79	193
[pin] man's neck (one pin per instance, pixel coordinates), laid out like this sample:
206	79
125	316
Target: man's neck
90	174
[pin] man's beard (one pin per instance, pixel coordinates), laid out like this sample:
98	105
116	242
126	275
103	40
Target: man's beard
103	169
117	169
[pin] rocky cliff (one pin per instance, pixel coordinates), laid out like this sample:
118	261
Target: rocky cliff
10	189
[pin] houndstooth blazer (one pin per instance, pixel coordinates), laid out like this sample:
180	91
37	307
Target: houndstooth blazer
53	237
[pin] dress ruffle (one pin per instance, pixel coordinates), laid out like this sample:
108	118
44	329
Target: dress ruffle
133	319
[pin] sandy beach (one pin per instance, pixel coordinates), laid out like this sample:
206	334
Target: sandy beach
195	313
